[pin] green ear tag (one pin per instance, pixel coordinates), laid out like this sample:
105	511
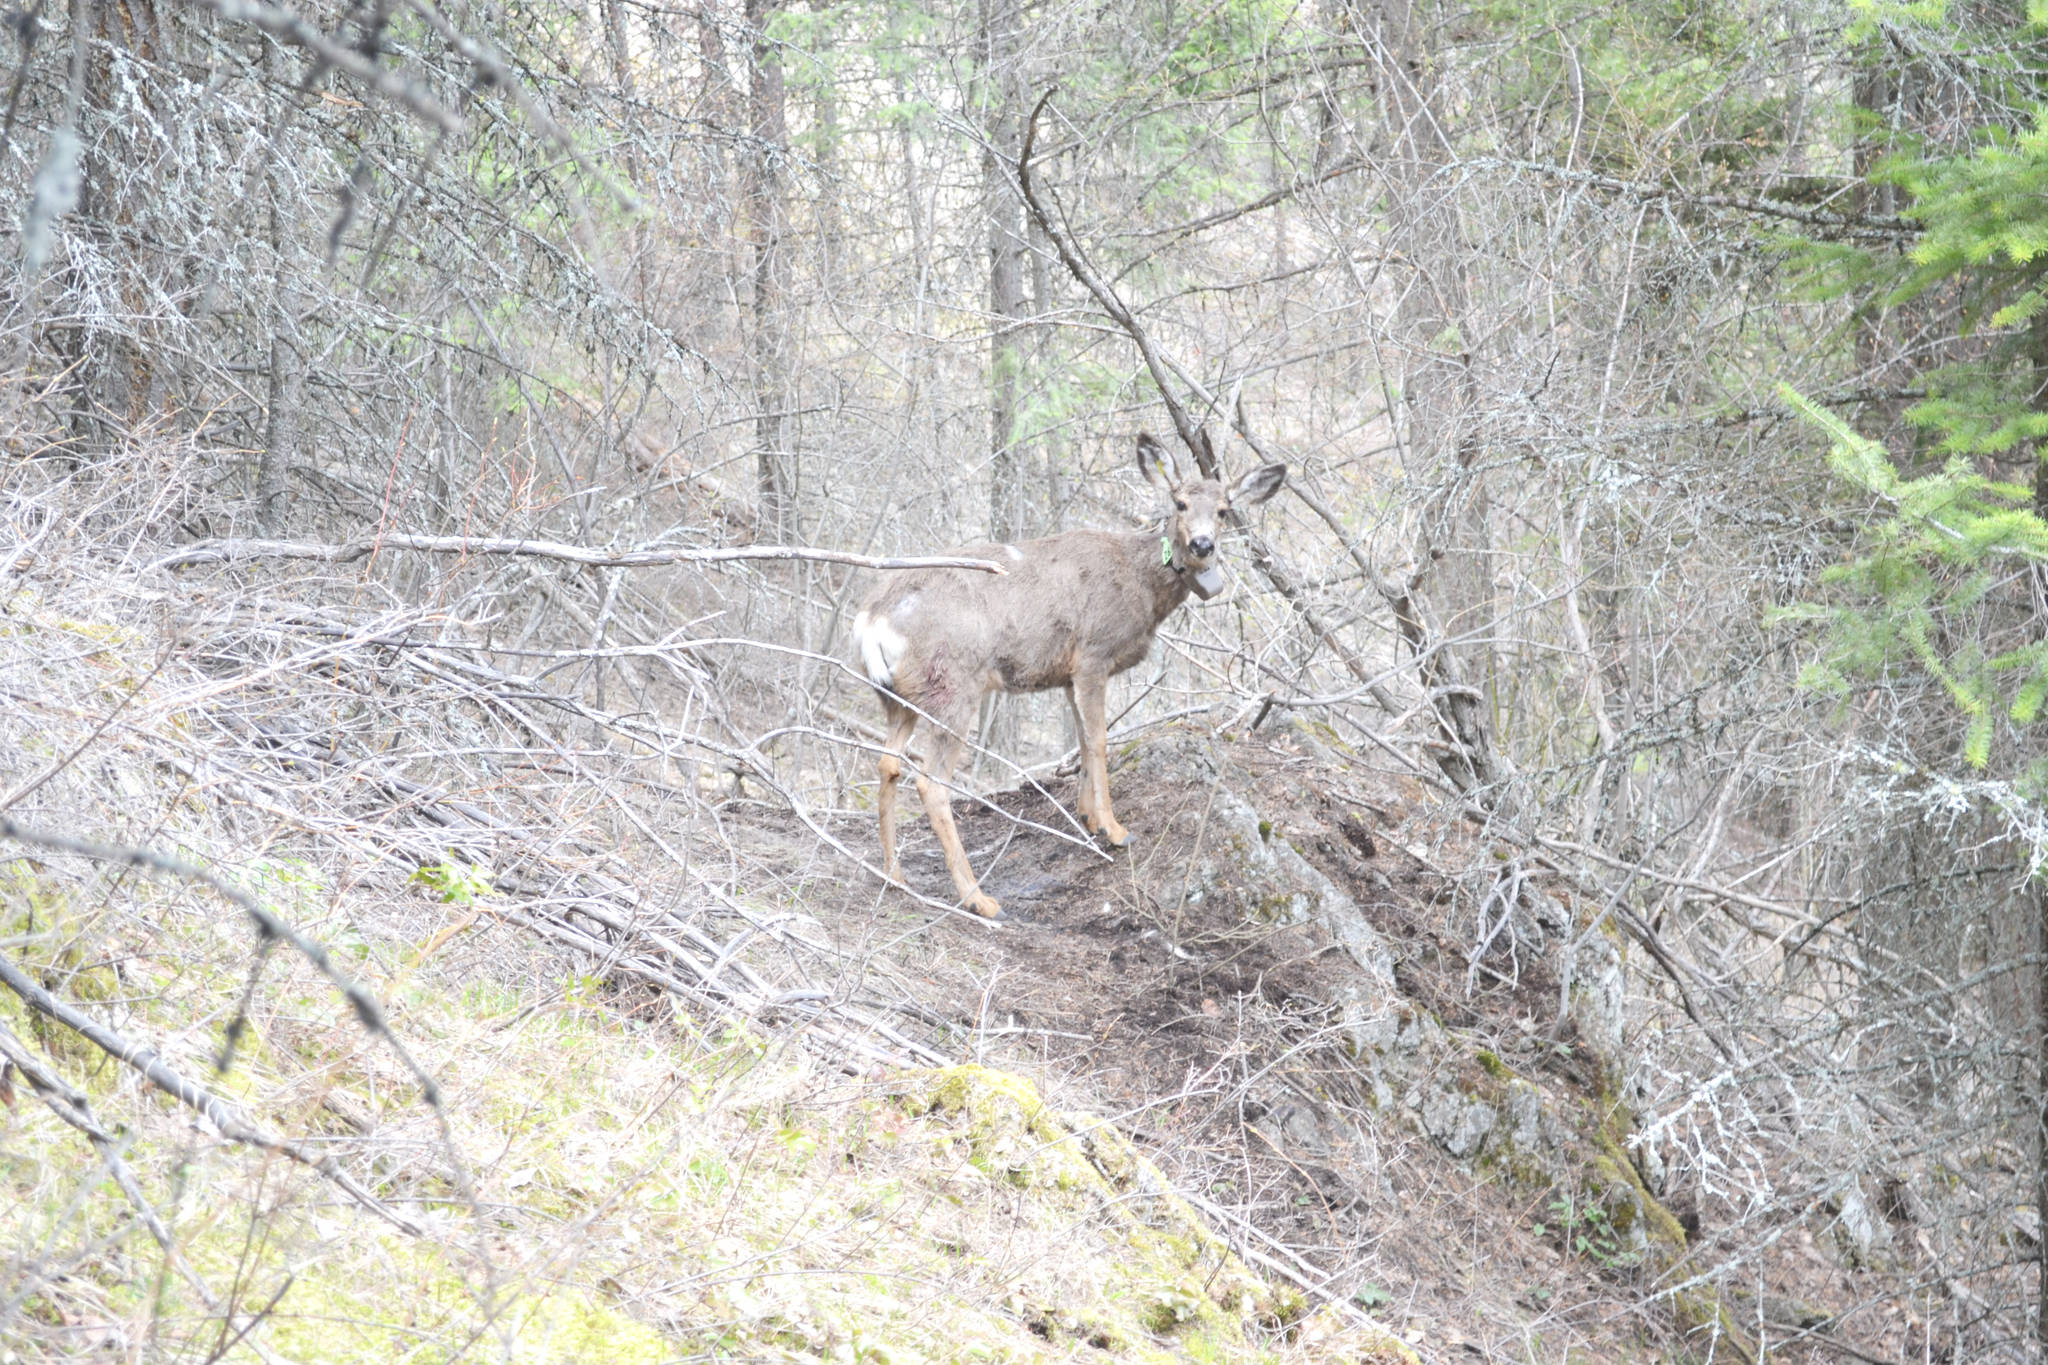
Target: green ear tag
1166	551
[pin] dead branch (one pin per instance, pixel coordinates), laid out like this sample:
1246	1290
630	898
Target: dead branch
284	25
1191	433
1180	231
233	551
226	1117
70	1104
270	928
1885	225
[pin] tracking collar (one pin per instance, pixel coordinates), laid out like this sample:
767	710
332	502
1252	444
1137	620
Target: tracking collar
1205	584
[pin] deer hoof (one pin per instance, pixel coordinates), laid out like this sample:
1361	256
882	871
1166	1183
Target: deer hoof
1117	835
985	906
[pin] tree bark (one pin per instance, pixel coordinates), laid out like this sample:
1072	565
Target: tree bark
767	230
286	389
2041	1119
1002	103
286	395
1438	389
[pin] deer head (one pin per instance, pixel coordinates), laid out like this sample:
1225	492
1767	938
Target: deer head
1197	508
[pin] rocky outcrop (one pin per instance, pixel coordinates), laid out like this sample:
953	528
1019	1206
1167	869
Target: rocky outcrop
1564	1142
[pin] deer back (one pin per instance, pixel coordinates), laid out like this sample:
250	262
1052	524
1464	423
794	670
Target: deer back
1086	602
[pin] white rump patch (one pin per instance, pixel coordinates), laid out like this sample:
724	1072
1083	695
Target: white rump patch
881	645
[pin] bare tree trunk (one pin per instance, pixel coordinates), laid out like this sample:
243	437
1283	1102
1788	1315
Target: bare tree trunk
1875	92
767	227
287	363
1052	440
831	171
449	427
1438	389
2041	1120
619	41
1001	99
281	433
86	418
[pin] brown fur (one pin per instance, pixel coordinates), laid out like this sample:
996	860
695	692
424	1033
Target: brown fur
1068	611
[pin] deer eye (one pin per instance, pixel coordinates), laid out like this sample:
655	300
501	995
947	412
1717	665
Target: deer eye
1179	506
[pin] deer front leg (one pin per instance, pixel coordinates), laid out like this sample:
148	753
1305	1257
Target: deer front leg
1084	785
902	720
938	808
1091	699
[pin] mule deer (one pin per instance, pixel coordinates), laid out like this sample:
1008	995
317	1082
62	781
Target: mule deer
1068	611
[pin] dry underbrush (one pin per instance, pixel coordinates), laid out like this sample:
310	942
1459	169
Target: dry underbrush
289	844
627	923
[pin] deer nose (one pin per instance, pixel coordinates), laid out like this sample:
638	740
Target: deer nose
1202	547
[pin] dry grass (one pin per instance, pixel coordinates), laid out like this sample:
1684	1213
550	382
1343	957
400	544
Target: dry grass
636	1189
657	1131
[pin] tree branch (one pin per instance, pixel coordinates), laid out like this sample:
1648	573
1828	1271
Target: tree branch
1264	201
227	1118
1192	436
270	928
231	551
288	27
69	1103
1864	224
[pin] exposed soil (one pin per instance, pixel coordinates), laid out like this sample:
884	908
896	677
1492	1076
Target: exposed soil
1210	1035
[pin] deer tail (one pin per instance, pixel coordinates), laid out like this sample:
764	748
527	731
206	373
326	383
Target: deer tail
881	645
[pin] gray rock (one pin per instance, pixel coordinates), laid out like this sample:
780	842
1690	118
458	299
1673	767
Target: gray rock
1459	1123
1283	887
1599	999
1859	1232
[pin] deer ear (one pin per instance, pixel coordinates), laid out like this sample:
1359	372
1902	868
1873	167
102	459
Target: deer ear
1257	486
1156	463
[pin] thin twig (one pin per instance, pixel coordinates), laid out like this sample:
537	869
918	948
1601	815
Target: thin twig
282	24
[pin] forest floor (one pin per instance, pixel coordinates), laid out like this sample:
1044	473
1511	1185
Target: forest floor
1273	1073
1158	986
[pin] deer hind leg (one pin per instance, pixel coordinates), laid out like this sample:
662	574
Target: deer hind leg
902	720
1091	698
1084	785
946	745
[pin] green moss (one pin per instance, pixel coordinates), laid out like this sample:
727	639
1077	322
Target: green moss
331	1313
570	1328
646	1193
1492	1065
1327	732
1625	1198
1172	1277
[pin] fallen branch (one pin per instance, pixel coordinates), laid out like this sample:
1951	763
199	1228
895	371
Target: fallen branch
233	551
226	1118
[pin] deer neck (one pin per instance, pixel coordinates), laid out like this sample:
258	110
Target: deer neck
1203	583
1169	580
